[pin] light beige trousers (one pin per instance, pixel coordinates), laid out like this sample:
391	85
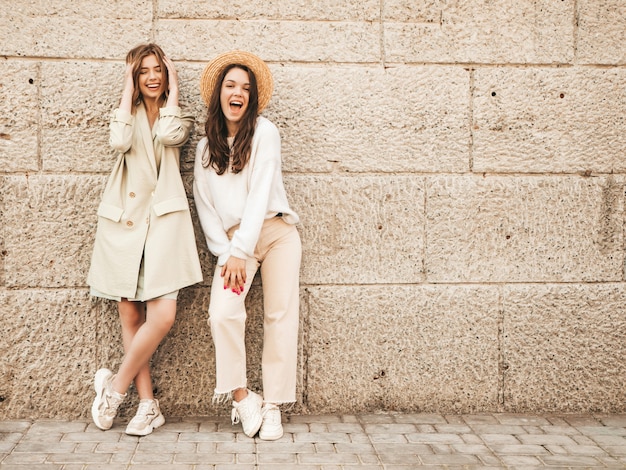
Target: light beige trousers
278	253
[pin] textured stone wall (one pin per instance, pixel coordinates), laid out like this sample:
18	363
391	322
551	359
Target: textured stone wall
458	167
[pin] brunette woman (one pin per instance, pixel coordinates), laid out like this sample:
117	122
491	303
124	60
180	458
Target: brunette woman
248	224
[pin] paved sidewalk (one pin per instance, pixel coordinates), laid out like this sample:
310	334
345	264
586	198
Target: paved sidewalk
367	442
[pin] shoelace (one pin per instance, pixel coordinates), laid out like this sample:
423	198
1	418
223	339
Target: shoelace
143	409
110	405
234	416
271	413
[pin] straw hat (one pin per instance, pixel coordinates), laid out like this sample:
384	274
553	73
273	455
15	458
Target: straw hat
264	80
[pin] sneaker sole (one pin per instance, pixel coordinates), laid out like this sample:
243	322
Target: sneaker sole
270	437
255	429
157	423
98	384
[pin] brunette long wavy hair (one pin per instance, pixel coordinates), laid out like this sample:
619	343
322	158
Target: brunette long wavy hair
134	58
217	152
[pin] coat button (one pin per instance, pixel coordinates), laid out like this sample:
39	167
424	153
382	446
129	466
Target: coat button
129	223
147	220
131	194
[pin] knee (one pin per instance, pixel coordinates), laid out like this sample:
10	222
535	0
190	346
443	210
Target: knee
162	314
225	316
167	320
130	315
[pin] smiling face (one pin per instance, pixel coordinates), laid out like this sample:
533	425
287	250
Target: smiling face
151	79
234	97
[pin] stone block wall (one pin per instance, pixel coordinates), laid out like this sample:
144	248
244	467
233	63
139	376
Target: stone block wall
458	167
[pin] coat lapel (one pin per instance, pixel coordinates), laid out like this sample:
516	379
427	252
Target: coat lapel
146	136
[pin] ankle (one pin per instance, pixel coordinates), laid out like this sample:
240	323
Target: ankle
240	394
115	388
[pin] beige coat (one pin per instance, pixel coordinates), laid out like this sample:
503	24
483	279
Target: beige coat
144	210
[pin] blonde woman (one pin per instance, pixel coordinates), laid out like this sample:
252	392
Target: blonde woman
248	224
145	250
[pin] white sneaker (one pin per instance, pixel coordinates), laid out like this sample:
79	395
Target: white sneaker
271	428
248	411
147	419
107	400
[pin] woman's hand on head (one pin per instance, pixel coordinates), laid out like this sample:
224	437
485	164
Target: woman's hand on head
234	274
172	74
126	102
129	82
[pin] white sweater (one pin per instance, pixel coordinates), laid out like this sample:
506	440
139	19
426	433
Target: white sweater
246	198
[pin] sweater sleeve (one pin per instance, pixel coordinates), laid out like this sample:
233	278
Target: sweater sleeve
121	130
173	127
265	160
216	238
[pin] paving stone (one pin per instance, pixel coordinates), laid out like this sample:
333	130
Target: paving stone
614	420
324	447
471	439
584	450
287	447
354	448
204	458
246	459
425	428
388	438
451	459
610	440
480	419
522	420
14	426
602	430
431	438
560	429
345	427
398	458
328	458
520	460
519	449
391	428
498	429
321	437
78	458
583	440
153	458
235	447
616	450
282	458
471	449
403	448
23	459
500	439
451	428
441	448
544	439
570	461
46	466
207	437
366	444
34	447
556	450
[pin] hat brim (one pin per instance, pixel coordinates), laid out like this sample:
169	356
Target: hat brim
262	73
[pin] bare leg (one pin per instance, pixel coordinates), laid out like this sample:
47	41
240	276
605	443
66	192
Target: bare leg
239	394
132	316
141	339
